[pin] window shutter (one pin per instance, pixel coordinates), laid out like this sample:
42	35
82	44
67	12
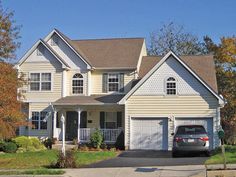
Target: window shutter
104	82
119	119
121	75
102	119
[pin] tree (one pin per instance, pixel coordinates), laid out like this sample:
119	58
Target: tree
173	37
11	116
225	60
9	35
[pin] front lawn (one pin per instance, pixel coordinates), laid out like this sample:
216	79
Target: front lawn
43	159
216	158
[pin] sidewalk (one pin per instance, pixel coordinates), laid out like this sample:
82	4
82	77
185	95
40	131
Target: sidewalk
166	171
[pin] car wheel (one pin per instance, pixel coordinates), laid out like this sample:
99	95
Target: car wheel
208	153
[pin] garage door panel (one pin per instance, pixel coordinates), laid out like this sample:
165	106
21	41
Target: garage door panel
148	133
206	122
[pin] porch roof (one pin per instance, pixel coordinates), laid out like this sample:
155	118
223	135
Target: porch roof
89	100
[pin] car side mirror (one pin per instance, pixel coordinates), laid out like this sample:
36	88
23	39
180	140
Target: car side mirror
172	134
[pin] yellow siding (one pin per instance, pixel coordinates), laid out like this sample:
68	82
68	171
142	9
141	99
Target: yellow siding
167	106
56	71
40	107
96	80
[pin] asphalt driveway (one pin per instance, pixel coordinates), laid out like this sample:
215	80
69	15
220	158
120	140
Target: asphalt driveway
149	158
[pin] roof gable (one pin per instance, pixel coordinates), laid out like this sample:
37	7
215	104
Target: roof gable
68	42
35	46
221	101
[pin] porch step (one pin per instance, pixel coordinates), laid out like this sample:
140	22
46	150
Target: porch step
68	146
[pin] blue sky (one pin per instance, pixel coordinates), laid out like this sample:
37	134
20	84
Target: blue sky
121	18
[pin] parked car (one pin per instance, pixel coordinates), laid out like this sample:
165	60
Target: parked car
190	138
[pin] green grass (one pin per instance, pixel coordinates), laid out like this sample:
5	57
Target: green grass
85	158
216	158
43	159
33	172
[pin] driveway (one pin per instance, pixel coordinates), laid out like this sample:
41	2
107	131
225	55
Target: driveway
149	158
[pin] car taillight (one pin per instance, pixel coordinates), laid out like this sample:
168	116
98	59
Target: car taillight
178	139
204	138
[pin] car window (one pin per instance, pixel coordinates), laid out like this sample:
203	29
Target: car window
191	130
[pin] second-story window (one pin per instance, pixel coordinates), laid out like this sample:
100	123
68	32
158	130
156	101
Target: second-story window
113	82
171	87
77	84
40	82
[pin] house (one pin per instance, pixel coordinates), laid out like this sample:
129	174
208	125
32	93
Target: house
112	85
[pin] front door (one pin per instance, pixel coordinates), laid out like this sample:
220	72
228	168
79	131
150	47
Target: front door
71	125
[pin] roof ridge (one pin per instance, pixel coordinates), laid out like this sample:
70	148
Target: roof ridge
107	39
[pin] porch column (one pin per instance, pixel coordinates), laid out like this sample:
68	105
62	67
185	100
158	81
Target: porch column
55	133
79	125
63	149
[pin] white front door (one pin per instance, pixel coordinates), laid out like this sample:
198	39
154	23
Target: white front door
149	133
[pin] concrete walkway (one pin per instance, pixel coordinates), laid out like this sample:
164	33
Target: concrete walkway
164	171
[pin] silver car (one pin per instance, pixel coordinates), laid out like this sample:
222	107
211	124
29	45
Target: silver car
190	138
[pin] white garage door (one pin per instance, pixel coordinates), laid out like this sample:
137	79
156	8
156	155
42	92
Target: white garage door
149	133
206	122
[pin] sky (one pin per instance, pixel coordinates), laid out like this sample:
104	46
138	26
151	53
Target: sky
89	19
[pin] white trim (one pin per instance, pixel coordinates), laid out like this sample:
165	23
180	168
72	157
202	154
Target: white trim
72	48
123	100
30	51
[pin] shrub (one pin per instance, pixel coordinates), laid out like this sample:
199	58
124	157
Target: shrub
28	143
120	141
2	143
103	146
67	161
10	147
48	143
96	139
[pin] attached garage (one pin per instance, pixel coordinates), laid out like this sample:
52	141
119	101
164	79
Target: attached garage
206	122
149	133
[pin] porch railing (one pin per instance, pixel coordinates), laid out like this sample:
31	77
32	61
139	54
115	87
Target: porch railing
109	135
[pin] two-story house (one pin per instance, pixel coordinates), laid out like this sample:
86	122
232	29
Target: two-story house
112	85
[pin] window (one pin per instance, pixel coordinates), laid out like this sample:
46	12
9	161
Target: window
113	82
38	122
77	84
40	81
110	120
171	86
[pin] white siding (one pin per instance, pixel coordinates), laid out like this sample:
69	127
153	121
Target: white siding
187	84
66	53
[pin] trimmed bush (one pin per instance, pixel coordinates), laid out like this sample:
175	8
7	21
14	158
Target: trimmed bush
67	161
120	141
96	139
28	143
10	147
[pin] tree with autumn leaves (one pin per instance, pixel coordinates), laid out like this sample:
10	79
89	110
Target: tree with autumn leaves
225	60
11	116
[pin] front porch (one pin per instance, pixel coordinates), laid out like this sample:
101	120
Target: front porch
80	121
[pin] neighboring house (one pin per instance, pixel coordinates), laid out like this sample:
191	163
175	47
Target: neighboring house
112	85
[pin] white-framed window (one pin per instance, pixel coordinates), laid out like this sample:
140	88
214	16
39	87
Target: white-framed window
171	86
78	84
110	120
54	40
113	82
40	81
37	120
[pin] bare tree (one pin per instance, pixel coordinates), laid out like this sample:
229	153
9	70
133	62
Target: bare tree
173	37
